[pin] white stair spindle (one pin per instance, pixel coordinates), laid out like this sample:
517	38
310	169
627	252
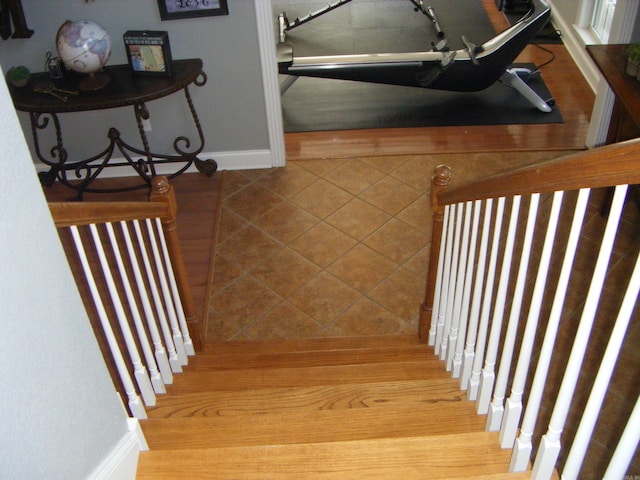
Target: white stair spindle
550	444
177	301
461	276
446	273
513	408
174	361
472	335
159	350
474	379
143	339
166	295
523	447
468	281
626	447
439	279
496	408
600	384
488	371
453	281
135	405
139	370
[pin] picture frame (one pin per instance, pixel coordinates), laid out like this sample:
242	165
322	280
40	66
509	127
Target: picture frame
148	52
177	9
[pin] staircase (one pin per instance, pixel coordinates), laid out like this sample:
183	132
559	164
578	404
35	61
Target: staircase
378	407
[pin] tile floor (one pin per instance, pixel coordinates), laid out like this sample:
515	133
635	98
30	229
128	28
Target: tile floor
331	247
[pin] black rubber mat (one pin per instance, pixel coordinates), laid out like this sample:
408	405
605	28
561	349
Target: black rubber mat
313	104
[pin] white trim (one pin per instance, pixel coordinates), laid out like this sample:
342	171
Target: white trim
122	461
235	160
266	44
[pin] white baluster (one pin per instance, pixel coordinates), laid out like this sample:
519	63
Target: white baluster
177	301
438	291
461	276
166	295
474	379
626	447
488	372
139	370
496	409
174	361
453	280
523	446
513	408
472	335
550	444
468	281
143	339
446	273
158	346
601	383
135	405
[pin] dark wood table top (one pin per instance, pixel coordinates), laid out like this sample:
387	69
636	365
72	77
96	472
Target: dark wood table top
611	61
124	88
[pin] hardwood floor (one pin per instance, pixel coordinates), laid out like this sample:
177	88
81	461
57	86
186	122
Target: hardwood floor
572	93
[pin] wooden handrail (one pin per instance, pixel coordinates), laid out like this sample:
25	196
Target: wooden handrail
607	166
66	214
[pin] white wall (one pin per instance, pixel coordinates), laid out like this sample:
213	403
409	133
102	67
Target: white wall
59	413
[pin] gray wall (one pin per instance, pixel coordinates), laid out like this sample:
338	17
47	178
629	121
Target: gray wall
59	412
231	105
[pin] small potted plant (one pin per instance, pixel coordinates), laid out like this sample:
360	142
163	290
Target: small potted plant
633	59
18	76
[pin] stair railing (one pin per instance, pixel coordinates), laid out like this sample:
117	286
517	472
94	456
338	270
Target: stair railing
128	266
508	309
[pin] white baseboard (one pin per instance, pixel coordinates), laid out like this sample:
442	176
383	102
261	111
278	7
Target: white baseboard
122	461
237	160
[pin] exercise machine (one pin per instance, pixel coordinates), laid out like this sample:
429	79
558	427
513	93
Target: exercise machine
472	68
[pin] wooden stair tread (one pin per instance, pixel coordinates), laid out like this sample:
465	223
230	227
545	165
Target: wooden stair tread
222	360
323	344
194	381
312	427
407	458
297	399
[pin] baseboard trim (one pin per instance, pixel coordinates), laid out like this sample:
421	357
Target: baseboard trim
122	461
238	160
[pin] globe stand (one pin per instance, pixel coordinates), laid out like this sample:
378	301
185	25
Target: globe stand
94	82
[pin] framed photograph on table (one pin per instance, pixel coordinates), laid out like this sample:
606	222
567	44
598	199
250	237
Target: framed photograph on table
148	52
175	9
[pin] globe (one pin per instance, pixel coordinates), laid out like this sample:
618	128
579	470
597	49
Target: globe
84	47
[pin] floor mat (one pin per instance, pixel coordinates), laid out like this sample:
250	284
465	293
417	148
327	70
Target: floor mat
313	104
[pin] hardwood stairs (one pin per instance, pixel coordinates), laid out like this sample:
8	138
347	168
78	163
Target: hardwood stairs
380	407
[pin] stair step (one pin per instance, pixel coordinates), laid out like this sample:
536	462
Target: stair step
224	359
435	457
252	378
308	399
322	344
312	427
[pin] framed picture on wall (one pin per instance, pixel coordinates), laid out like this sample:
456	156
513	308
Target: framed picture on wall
148	52
175	9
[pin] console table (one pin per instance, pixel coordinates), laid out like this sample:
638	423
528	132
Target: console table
45	103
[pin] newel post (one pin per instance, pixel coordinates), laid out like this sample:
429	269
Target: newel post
439	182
162	191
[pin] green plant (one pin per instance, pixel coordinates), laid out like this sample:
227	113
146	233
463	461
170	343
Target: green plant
633	52
18	75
